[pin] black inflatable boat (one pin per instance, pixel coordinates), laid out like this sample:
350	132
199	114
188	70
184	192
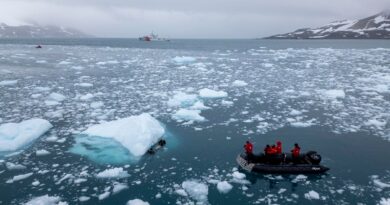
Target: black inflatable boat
160	144
308	163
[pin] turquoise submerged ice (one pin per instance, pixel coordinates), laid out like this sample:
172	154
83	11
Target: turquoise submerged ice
120	140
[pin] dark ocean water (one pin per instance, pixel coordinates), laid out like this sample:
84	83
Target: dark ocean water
332	96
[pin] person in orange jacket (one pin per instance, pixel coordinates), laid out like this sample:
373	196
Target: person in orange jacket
279	147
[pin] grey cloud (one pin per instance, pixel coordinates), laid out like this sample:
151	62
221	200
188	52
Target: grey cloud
187	19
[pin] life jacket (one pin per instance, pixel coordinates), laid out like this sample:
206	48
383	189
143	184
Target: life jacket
266	150
295	151
279	148
248	148
273	150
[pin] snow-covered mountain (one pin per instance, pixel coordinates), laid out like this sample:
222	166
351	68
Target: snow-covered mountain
36	31
373	27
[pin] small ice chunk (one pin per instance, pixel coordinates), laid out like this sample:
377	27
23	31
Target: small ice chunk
295	112
86	85
227	103
182	99
79	180
224	187
188	115
52	139
183	59
104	195
380	184
84	198
56	97
384	201
302	124
14	136
8	82
46	200
42	152
35	183
199	106
312	195
299	178
116	172
334	94
118	188
96	105
208	93
239	83
181	192
20	177
238	175
12	166
376	123
86	97
196	190
137	202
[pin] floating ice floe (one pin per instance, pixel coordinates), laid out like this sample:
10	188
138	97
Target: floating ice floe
137	202
46	200
334	94
384	201
188	115
136	133
239	83
312	195
14	136
113	141
56	97
8	82
208	93
196	190
87	85
183	59
118	187
303	124
86	97
182	99
13	166
20	177
224	187
42	152
299	178
116	172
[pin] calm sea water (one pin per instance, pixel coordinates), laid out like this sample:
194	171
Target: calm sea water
332	96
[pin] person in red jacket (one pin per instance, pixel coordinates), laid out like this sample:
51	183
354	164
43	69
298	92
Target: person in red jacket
273	150
248	148
267	149
279	147
295	151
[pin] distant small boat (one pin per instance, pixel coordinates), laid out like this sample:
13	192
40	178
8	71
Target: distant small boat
38	46
152	37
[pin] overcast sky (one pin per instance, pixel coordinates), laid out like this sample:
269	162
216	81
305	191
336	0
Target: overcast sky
184	18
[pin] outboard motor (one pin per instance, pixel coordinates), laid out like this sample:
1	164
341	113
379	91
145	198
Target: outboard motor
313	157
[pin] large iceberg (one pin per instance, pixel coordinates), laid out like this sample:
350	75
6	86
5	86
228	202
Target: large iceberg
113	141
14	136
